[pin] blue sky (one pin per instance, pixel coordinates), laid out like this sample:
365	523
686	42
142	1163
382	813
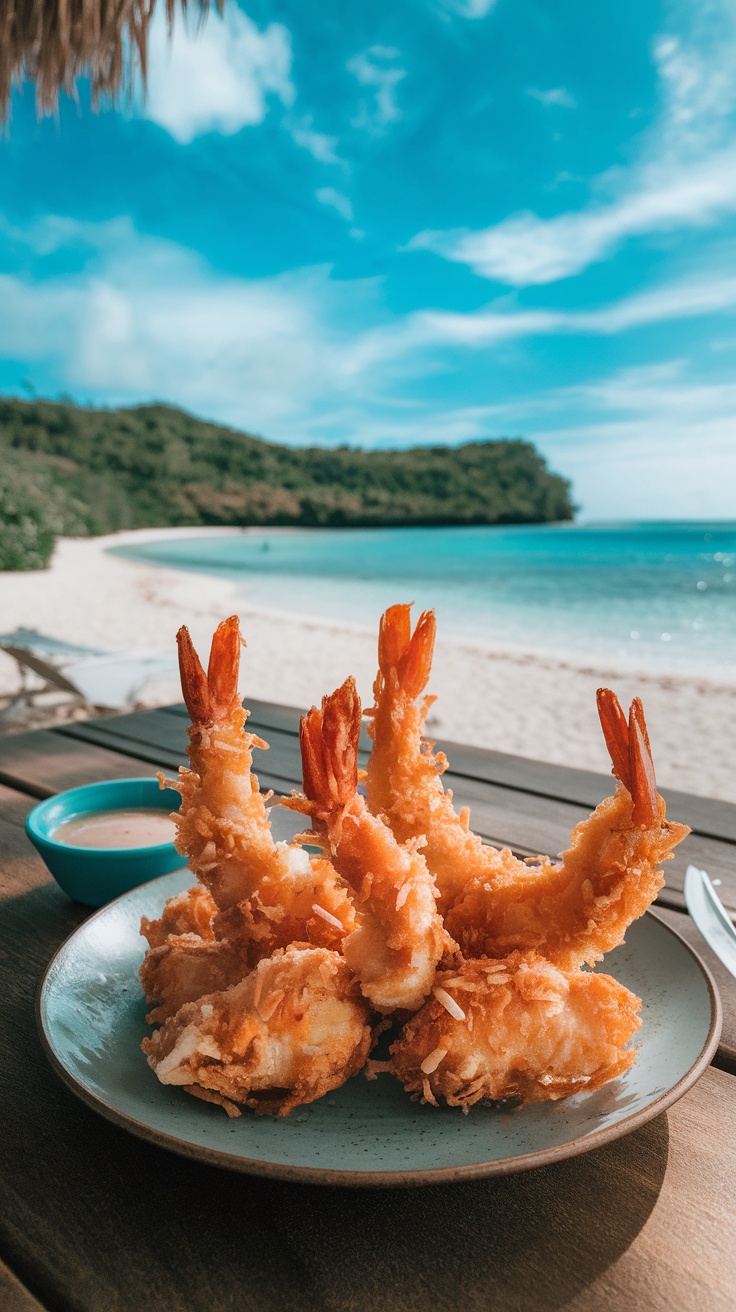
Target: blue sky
410	221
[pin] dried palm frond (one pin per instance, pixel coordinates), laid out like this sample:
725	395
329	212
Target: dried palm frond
53	42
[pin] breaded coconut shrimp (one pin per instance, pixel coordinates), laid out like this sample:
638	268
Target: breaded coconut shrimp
256	895
223	827
514	1029
190	912
399	938
403	780
294	1028
184	958
185	966
575	910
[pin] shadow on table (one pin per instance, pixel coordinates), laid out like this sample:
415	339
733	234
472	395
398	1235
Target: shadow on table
533	1240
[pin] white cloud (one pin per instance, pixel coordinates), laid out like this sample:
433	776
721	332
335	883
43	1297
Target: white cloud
687	299
659	389
685	176
469	8
216	78
636	446
322	147
555	96
149	319
525	250
374	69
336	199
126	269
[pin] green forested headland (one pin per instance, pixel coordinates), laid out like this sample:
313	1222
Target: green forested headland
74	471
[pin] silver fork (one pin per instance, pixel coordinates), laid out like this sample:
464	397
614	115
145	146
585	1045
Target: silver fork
710	916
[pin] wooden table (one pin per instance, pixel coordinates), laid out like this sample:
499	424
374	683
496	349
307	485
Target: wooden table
93	1219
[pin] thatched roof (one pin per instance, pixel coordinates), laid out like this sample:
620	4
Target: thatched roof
53	42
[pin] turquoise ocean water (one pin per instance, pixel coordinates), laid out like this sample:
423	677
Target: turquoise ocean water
660	596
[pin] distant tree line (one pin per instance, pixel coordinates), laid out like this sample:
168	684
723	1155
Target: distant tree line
73	471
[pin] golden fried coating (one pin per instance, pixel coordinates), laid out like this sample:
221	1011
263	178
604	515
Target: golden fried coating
183	968
308	903
294	1028
223	825
399	939
190	912
517	1028
573	910
403	778
272	976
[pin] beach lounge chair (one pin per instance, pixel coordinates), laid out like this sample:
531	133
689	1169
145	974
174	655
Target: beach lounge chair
108	680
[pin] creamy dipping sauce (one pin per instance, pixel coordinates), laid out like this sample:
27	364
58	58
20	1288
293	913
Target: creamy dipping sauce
141	826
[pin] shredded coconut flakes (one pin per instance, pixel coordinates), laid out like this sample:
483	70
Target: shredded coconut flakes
449	1004
402	895
273	1001
327	915
432	1061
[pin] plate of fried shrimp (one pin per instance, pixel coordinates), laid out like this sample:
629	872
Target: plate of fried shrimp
381	998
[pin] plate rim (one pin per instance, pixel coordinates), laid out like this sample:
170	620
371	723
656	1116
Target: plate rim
320	1175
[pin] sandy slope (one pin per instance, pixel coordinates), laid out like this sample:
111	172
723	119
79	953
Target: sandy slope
532	705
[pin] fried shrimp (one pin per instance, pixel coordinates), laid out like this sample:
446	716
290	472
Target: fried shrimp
266	892
256	895
272	978
575	910
399	938
516	1029
403	780
294	1028
185	966
190	912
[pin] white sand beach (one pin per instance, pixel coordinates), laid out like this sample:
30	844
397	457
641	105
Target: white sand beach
528	704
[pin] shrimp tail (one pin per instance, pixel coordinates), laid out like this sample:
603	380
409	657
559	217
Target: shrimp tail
394	636
616	733
631	753
329	738
409	654
648	805
210	696
193	680
222	671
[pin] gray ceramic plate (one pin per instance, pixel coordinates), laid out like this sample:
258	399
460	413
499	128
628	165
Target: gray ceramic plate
91	1016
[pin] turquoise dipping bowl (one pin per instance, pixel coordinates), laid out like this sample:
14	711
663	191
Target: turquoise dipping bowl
96	875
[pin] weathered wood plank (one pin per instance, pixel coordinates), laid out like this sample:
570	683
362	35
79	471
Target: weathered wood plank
45	762
684	1257
267	715
708	817
154	733
525	821
145	728
13	807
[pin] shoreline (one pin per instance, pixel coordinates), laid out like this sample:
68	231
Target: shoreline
525	702
566	658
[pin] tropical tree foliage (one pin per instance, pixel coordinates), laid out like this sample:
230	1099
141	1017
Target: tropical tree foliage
76	471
